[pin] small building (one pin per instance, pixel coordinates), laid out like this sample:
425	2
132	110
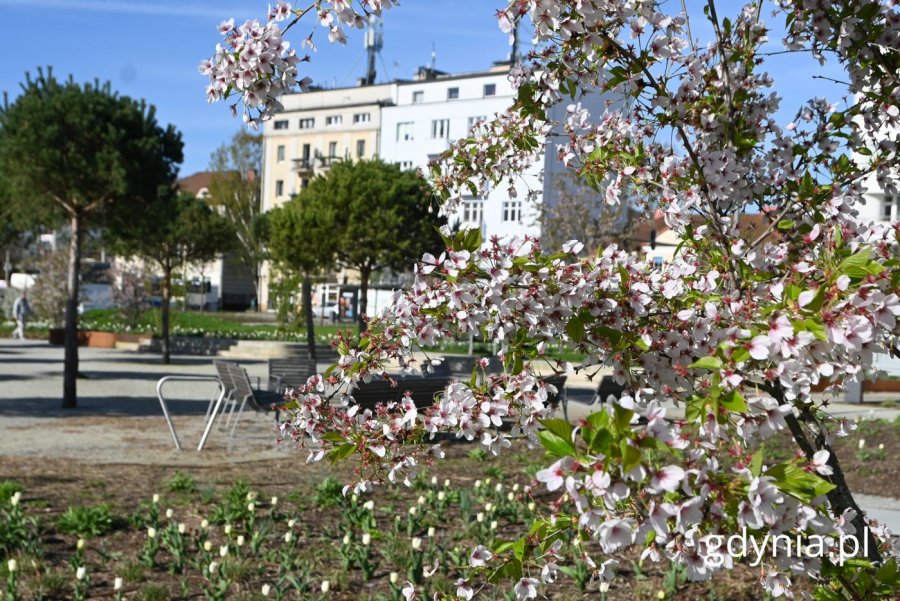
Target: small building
226	283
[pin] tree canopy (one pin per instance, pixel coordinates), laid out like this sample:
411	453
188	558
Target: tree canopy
302	241
235	188
174	230
385	217
68	153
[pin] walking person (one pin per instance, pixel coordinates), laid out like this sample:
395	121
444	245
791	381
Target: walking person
21	310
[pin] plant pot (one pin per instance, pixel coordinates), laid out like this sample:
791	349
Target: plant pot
100	339
56	336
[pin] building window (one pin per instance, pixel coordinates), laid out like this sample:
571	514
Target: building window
405	131
418	97
332	149
280	152
512	210
657	263
440	128
281	124
304	183
362	117
890	208
472	210
405	165
360	148
334	119
308	123
474	120
490	89
279	187
452	93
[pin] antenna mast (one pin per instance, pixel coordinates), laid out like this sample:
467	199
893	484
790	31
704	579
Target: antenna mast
373	43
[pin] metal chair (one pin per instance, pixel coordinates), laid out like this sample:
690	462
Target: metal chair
259	400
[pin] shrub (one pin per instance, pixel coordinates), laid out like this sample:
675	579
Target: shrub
89	521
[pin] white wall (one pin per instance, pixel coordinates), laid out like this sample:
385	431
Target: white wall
435	105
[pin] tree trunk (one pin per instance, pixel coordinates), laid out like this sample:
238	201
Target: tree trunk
364	275
256	278
70	368
308	310
164	313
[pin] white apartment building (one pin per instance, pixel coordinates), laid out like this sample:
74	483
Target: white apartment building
436	109
409	122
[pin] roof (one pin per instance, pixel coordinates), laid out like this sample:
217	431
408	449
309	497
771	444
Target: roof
751	226
196	183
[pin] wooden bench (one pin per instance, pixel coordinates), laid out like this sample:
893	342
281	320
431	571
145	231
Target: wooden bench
289	373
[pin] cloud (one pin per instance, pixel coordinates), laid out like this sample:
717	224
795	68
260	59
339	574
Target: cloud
209	11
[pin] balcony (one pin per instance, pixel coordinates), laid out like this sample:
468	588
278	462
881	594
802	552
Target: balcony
303	166
325	162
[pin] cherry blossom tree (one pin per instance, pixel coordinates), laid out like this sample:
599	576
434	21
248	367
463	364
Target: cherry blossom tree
736	330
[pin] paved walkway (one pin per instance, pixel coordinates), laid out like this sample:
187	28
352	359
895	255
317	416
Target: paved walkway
119	419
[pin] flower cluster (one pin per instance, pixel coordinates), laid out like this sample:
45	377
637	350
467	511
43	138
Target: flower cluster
255	62
777	287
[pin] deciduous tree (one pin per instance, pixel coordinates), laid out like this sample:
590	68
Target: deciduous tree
384	216
235	189
302	240
736	329
175	230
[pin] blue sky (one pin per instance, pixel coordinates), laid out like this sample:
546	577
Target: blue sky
150	49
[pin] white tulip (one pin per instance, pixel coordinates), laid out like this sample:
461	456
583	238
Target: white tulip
326	586
151	532
207	546
12	565
416	543
366	539
265	590
117	583
80	573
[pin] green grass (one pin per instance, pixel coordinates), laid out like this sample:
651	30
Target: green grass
195	323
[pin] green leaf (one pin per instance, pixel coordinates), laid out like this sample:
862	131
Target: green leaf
575	329
816	328
623	417
711	363
556	445
888	573
511	570
740	354
341	452
855	263
734	401
333	437
797	482
560	427
785	224
631	456
818	300
756	463
601	441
